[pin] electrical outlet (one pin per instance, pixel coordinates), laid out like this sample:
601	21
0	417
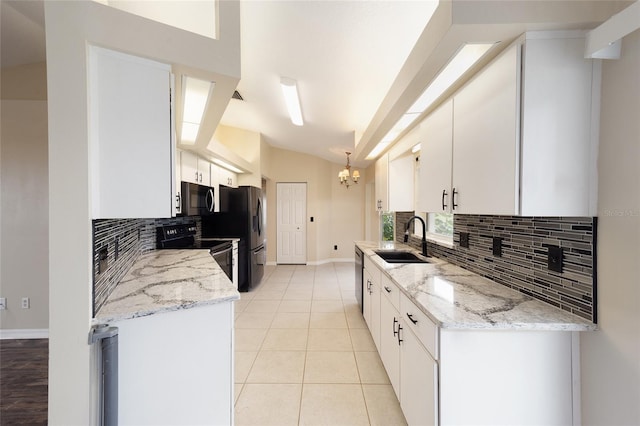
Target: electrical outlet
103	259
3	303
464	239
25	303
554	258
497	246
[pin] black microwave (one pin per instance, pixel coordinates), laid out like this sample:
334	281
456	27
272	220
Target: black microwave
197	200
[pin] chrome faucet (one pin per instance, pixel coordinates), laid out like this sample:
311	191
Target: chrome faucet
424	233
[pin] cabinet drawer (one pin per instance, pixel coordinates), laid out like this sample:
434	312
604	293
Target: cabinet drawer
420	324
390	290
372	268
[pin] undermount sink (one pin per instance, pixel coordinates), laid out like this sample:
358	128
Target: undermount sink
399	256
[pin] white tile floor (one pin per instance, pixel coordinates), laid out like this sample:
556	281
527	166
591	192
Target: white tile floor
304	355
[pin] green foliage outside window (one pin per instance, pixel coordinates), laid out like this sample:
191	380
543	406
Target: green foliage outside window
443	224
387	226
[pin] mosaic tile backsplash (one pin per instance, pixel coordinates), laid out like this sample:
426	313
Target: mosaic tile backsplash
134	237
523	263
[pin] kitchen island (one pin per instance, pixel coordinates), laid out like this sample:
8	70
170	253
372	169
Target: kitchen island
462	349
175	315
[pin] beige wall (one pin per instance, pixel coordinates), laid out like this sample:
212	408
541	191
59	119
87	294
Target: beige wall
24	195
247	145
338	212
611	355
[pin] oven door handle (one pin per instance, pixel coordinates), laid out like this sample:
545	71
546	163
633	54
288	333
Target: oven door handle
224	251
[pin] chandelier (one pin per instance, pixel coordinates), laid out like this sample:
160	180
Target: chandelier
344	175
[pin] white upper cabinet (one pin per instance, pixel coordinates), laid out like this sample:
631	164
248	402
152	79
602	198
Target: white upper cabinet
195	169
520	138
227	177
435	160
485	140
382	183
130	136
401	183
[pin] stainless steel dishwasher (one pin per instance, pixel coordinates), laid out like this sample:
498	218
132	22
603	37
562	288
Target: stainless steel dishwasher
359	269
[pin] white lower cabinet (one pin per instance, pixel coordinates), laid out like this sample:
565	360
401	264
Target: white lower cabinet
371	301
445	376
389	350
418	381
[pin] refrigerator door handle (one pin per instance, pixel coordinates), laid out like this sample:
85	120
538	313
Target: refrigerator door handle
259	217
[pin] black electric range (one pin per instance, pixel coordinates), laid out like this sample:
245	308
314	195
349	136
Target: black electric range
183	236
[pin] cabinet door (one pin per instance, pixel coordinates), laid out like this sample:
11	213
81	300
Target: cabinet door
189	167
178	190
204	172
418	381
371	303
435	160
228	178
129	136
382	184
400	183
389	343
486	114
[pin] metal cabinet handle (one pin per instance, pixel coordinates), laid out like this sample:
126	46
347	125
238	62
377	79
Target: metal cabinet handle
196	176
395	321
444	195
411	318
400	340
387	289
178	201
453	199
200	177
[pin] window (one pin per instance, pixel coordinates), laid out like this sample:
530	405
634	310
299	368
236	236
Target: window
386	221
440	224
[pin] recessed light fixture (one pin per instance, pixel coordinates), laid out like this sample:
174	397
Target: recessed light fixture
195	97
462	61
290	91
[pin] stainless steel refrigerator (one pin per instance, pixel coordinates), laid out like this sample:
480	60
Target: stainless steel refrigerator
241	215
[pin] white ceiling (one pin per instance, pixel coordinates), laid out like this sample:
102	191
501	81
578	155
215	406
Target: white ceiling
344	55
352	59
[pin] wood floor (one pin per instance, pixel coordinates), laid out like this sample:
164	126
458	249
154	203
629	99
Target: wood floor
24	368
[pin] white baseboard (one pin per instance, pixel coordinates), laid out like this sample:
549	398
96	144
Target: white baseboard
322	262
24	333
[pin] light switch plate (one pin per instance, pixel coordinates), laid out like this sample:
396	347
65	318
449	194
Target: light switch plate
464	239
497	246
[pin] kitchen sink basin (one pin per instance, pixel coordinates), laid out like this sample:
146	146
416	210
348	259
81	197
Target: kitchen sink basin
399	256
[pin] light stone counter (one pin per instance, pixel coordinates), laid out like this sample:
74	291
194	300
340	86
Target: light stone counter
455	298
168	280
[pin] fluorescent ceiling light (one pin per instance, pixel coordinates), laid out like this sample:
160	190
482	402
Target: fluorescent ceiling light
290	91
464	59
196	95
377	150
226	165
461	62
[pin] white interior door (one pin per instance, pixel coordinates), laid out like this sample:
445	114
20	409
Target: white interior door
291	223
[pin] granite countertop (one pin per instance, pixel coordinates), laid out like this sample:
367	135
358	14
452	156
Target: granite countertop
455	298
168	280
